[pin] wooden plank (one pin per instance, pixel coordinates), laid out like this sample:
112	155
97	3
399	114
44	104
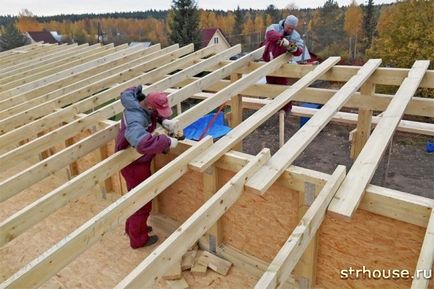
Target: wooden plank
55	60
105	112
424	267
364	122
43	69
215	263
342	73
39	55
351	192
66	114
218	74
210	187
40	106
268	174
237	134
40	170
397	205
174	272
45	266
67	76
288	256
173	247
46	83
224	95
177	284
418	105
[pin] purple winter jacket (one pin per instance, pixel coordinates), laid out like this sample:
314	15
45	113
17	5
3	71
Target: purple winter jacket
137	124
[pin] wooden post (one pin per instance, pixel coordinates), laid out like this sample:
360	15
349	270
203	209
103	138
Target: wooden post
281	128
155	202
236	110
305	271
73	167
364	122
104	152
210	186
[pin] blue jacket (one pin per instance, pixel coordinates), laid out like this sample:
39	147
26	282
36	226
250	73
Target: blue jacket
137	124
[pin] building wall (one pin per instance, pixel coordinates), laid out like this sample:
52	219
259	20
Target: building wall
259	226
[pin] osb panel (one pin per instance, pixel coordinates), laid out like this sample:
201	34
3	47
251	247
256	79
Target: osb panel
368	240
183	197
260	225
103	265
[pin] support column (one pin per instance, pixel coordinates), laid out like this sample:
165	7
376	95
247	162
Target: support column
210	186
305	271
364	122
236	110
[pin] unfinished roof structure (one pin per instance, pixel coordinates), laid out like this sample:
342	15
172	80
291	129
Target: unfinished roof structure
63	202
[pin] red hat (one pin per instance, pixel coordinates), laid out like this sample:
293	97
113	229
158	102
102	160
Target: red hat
159	101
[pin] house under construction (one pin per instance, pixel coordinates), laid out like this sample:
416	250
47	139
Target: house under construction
64	203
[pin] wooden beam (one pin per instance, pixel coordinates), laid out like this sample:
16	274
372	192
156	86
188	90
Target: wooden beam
423	272
39	73
29	110
418	105
342	73
204	82
47	83
45	266
210	187
266	176
364	122
351	192
288	256
224	95
56	60
37	172
147	272
101	98
237	134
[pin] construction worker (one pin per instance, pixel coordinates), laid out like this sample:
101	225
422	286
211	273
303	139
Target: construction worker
140	117
279	39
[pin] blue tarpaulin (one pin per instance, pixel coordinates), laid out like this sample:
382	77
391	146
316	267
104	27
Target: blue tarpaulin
218	129
305	119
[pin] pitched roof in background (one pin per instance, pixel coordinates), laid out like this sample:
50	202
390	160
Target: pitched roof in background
207	33
44	36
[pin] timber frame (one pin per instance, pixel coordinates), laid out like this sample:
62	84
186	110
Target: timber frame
51	94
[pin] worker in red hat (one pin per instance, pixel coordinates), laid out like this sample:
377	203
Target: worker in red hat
140	117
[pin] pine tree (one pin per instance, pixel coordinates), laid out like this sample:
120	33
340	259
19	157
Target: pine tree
273	12
185	23
368	22
11	37
239	21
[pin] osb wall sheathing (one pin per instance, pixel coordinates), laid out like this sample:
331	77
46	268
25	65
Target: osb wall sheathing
369	240
257	225
183	197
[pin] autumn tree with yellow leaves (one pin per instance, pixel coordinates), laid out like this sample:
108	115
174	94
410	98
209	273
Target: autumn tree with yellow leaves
405	33
353	27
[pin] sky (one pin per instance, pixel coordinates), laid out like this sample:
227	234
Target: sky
53	7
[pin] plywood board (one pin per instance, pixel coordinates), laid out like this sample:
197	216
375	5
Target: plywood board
368	240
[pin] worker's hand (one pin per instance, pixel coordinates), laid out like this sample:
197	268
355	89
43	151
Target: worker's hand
169	125
283	42
173	142
292	47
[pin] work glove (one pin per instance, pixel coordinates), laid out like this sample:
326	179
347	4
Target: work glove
169	125
292	47
283	42
173	142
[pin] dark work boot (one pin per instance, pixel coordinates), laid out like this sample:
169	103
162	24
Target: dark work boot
151	240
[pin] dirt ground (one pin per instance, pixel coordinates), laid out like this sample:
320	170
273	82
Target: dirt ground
411	168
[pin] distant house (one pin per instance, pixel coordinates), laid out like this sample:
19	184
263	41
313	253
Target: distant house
44	36
214	36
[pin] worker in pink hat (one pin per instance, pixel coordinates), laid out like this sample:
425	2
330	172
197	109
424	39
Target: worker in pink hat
140	117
